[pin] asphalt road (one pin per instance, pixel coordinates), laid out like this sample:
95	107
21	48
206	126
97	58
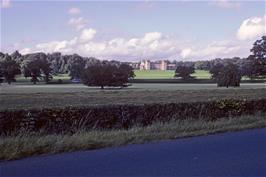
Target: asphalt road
228	154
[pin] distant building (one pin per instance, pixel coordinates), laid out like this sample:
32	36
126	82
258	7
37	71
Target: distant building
156	65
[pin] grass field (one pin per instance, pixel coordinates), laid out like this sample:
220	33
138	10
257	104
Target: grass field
158	74
153	74
24	145
140	74
61	95
63	77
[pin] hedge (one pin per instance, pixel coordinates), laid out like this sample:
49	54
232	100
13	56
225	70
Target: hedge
72	119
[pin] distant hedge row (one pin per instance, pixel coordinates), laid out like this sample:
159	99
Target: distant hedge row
192	81
71	119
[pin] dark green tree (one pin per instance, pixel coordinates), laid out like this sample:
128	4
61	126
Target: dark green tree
9	69
184	72
107	75
229	75
76	67
256	65
215	70
37	67
33	70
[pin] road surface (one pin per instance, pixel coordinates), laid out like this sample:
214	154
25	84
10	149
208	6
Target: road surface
228	154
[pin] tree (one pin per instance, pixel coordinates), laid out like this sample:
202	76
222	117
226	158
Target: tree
257	61
107	75
9	69
1	75
226	75
16	56
184	72
215	70
37	67
76	67
33	70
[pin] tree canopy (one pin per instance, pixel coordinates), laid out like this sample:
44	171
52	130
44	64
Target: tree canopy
226	75
257	60
37	67
9	68
184	72
107	74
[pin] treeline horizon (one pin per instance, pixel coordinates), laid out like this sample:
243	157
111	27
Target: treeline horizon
42	65
60	62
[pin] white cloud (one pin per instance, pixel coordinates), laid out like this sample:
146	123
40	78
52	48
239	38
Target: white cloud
74	11
153	45
87	35
93	48
218	49
252	28
55	46
5	3
78	23
25	51
185	53
150	37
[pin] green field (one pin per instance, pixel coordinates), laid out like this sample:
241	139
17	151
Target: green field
63	77
49	96
158	74
140	74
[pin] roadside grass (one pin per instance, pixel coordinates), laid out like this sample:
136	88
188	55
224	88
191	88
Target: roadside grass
26	144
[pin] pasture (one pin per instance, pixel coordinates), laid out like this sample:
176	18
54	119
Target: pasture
140	74
49	96
168	74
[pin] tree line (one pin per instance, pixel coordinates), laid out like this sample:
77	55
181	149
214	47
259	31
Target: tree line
228	72
92	71
41	66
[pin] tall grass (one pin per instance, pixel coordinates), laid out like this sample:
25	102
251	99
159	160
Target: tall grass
24	145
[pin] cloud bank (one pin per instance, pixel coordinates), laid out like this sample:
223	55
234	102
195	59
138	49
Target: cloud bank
152	45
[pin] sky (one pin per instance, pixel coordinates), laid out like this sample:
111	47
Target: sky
133	30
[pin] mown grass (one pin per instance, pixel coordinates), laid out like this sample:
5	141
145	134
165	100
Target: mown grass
168	74
25	144
153	74
40	100
63	77
201	74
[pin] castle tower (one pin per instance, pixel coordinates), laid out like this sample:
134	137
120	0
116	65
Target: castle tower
163	65
147	65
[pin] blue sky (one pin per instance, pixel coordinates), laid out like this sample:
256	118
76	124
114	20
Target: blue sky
182	30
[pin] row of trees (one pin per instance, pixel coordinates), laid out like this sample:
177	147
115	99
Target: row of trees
228	72
37	67
41	66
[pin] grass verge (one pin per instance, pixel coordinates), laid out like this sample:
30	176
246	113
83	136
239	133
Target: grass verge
26	145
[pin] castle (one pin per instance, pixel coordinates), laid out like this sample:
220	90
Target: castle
154	65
